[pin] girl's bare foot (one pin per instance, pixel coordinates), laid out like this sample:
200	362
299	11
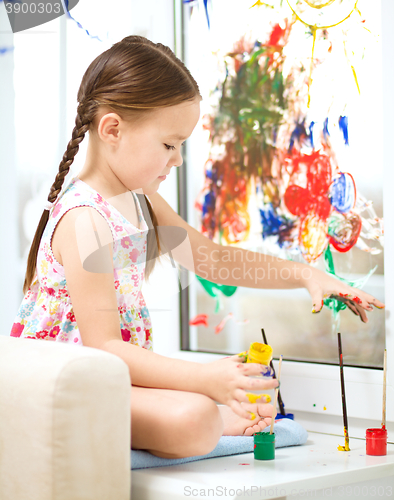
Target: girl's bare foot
234	425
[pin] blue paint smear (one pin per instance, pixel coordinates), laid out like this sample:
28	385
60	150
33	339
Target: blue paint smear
326	133
208	203
299	132
78	24
311	134
274	224
4	50
344	126
342	195
205	6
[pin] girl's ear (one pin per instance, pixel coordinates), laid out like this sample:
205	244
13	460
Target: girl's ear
109	128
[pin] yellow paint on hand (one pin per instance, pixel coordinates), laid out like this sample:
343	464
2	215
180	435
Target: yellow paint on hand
253	416
254	397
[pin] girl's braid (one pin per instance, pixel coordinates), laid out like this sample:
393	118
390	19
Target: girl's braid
85	115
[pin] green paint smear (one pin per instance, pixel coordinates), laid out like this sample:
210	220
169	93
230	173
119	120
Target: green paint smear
335	305
214	288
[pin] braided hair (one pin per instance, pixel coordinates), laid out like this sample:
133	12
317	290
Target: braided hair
131	78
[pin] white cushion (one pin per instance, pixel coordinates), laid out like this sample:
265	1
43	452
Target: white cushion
65	422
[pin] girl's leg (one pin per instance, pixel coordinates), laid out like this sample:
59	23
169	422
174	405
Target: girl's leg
174	424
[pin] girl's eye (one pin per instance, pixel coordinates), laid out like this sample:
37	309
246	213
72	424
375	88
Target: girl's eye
172	147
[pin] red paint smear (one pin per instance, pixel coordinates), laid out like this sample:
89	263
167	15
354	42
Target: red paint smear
297	200
200	319
243	464
276	35
356	300
352	236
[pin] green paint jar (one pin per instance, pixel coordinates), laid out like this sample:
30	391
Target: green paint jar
264	446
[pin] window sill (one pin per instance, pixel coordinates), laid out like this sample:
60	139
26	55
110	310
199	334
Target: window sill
316	467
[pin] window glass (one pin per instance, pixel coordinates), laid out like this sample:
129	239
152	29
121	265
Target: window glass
344	83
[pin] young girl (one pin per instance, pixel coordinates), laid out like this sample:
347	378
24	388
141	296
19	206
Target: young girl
93	246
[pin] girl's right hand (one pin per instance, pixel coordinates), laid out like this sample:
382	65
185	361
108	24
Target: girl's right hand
229	379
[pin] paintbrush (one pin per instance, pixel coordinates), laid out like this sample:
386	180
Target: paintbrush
276	396
384	389
280	401
345	427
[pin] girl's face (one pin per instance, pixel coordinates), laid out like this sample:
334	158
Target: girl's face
146	151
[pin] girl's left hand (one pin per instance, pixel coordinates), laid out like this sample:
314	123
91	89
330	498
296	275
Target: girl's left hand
321	286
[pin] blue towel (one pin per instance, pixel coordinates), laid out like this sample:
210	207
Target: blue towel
287	433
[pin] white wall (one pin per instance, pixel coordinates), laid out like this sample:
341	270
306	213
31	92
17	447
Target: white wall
9	238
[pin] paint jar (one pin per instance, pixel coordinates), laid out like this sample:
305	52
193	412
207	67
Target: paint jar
264	446
376	441
259	353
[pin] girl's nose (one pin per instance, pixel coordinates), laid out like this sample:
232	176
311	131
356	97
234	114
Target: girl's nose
177	160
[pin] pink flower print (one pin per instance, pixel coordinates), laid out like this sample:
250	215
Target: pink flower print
76	339
99	198
126	336
77	194
147	334
134	254
49	258
54	332
17	329
56	210
43	334
71	316
126	242
50	291
44	307
106	211
138	328
118	228
134	277
116	284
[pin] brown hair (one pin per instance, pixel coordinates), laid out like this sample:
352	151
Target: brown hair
131	78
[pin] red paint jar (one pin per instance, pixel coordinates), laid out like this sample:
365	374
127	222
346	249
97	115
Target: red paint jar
376	441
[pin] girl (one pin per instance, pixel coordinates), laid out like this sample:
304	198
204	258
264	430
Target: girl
93	246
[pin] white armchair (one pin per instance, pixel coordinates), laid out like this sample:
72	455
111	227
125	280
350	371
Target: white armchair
65	422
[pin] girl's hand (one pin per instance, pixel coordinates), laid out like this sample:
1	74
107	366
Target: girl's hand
322	286
229	379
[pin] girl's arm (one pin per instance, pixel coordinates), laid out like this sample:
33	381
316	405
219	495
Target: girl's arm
83	232
232	266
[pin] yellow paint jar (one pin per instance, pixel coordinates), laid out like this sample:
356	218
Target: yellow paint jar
259	353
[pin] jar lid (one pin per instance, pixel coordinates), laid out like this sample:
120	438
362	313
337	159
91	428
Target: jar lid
376	433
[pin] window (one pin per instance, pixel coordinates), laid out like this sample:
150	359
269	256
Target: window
298	335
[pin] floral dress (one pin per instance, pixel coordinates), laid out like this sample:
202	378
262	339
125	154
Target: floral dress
46	311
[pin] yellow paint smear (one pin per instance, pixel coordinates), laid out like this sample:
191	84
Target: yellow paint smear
346	447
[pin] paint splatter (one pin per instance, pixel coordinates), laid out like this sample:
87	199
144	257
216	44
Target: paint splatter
230	315
200	319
